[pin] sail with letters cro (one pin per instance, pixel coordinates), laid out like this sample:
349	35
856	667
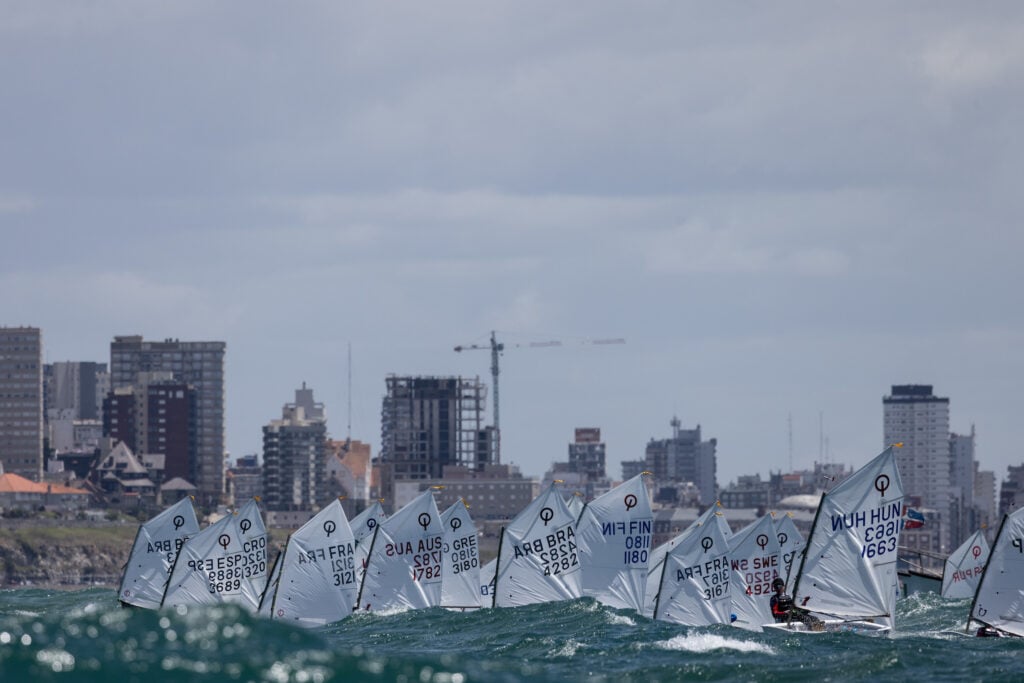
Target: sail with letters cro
157	542
791	542
694	588
316	583
614	534
848	572
756	560
403	559
538	559
224	563
460	569
964	566
999	600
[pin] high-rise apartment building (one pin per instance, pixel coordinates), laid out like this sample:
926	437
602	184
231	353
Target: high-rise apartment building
683	458
295	457
73	394
199	364
21	401
587	453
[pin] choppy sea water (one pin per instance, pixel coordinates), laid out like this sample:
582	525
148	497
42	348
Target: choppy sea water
85	636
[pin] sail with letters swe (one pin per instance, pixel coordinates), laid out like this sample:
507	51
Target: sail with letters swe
224	563
460	568
756	560
403	559
964	567
791	542
538	558
695	579
156	544
614	537
999	600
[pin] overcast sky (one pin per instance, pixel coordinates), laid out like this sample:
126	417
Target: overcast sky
784	208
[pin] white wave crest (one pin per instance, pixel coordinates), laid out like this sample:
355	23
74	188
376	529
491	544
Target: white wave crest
705	642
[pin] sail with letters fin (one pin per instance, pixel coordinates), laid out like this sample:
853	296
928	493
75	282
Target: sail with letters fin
756	561
999	600
848	572
156	544
460	569
614	537
224	563
538	559
964	567
403	559
487	583
695	579
317	583
791	543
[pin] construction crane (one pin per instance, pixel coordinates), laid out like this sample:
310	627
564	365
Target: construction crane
496	349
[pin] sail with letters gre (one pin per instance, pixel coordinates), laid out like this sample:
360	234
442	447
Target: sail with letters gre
487	583
365	523
156	544
756	559
614	537
791	542
403	559
460	569
224	563
575	504
999	600
538	560
848	572
695	579
317	583
964	567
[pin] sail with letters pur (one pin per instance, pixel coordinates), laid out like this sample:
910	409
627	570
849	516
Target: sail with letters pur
224	563
694	587
460	569
964	567
317	583
614	537
756	560
156	544
365	523
791	542
538	560
999	600
403	561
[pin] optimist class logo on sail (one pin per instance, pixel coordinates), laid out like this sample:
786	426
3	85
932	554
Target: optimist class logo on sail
879	527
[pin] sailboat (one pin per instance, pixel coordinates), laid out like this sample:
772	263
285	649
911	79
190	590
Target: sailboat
999	601
365	523
848	571
487	583
575	504
460	568
791	542
964	567
156	544
695	579
756	560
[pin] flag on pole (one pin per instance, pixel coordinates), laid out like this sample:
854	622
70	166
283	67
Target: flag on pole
914	519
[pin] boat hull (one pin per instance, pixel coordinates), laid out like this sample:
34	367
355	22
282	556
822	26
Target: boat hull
832	626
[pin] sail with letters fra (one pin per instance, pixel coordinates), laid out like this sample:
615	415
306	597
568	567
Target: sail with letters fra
403	561
538	560
224	563
365	523
317	583
460	570
156	544
614	537
964	567
756	560
487	583
694	588
999	600
791	542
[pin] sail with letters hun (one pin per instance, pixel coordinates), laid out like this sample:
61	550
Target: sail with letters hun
460	568
156	544
999	600
695	579
756	560
964	567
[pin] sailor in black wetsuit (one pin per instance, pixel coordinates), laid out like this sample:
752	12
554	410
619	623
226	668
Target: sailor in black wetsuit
783	609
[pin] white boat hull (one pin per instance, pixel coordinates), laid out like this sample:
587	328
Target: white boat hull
832	626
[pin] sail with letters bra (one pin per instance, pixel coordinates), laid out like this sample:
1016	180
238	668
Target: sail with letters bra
695	578
156	544
460	568
999	600
964	567
756	560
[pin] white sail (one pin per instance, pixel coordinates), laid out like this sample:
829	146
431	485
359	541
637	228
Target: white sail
224	563
403	565
695	578
756	560
791	541
999	601
317	583
152	556
267	600
849	565
964	567
538	560
460	570
365	523
614	537
487	583
575	504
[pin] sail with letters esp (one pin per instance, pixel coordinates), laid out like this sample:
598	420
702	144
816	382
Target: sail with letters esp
538	559
791	542
403	559
224	563
695	579
460	569
999	600
614	534
964	567
157	542
756	560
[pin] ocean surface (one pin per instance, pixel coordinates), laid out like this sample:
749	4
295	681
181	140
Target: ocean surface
58	635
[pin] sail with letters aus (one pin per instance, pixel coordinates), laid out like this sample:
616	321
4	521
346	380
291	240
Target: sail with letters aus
538	560
487	583
999	600
365	523
964	567
460	569
156	544
317	583
403	559
224	563
614	537
695	576
756	560
791	542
